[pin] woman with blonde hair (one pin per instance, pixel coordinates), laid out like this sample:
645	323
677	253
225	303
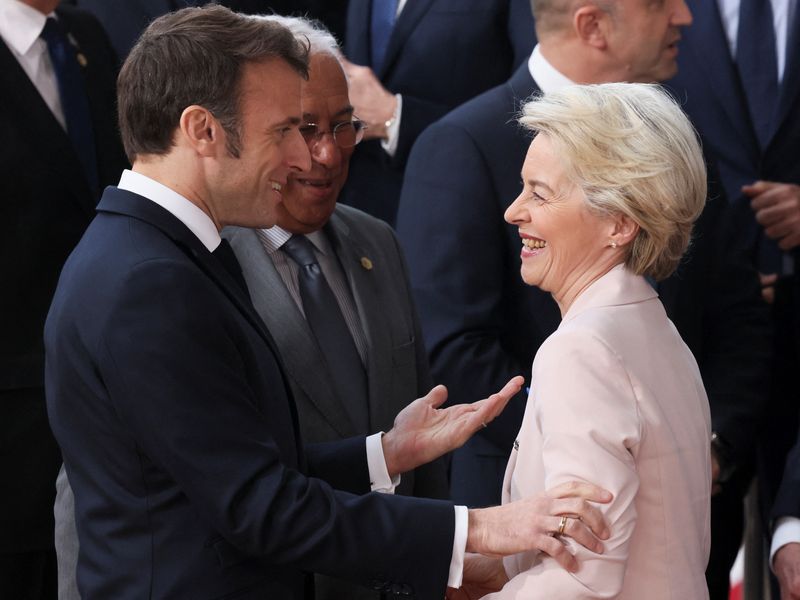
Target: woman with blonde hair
613	181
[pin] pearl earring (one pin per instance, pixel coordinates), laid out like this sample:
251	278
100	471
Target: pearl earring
613	244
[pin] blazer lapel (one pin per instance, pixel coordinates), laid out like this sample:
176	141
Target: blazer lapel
360	270
413	11
56	148
712	53
286	323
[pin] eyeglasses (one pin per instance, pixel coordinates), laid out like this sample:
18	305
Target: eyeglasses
345	135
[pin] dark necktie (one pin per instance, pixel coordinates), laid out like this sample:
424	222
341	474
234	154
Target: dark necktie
225	255
330	329
384	13
72	90
758	64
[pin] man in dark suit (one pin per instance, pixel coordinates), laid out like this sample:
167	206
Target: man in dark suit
480	321
50	188
744	98
414	66
166	391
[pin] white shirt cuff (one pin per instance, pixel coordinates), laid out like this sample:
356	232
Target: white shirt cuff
379	480
456	574
787	530
389	145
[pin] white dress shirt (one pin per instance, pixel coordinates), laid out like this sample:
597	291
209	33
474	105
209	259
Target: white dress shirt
20	27
201	225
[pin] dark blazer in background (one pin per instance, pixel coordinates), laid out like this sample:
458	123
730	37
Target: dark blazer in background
441	53
482	324
179	433
46	205
709	87
397	364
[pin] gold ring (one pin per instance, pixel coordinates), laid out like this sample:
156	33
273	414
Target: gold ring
562	526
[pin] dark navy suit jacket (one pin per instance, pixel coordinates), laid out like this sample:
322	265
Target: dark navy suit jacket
441	53
482	324
709	87
168	398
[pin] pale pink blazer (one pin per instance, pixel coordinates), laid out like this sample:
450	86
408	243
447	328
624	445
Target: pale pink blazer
616	399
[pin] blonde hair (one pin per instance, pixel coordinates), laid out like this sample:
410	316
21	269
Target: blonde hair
632	151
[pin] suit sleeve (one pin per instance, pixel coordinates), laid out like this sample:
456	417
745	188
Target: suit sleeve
586	411
454	247
180	382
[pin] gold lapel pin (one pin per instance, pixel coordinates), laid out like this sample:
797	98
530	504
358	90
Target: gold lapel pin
366	263
82	59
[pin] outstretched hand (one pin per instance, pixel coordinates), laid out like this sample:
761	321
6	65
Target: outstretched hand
423	432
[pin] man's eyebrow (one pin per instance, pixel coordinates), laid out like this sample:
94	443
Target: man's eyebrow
286	122
344	112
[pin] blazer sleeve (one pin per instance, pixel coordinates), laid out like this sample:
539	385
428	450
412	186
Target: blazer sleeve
587	414
218	442
453	253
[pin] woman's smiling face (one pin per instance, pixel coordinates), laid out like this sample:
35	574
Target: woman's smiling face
564	244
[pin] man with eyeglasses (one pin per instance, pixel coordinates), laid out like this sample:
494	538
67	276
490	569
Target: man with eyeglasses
360	259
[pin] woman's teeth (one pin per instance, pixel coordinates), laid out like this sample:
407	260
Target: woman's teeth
531	243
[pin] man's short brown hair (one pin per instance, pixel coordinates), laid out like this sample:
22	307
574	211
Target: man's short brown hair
195	56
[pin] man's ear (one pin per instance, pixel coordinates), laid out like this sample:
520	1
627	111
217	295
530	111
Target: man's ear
623	230
591	24
201	130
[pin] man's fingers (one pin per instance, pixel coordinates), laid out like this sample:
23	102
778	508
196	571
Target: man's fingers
578	531
436	397
580	489
556	548
757	187
583	512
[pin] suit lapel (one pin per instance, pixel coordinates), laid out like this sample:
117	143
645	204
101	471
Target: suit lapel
362	279
56	149
286	323
413	11
711	52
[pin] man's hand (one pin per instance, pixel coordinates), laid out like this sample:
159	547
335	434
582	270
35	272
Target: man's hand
777	209
530	524
786	565
423	432
482	575
373	103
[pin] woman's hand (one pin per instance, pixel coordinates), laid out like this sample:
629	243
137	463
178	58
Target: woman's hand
482	575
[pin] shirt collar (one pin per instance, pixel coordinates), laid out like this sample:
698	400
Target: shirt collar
188	213
20	25
276	236
546	76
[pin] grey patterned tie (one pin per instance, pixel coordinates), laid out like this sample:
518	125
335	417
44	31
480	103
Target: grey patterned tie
330	329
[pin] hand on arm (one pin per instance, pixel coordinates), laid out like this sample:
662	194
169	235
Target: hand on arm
373	103
777	209
531	523
422	431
